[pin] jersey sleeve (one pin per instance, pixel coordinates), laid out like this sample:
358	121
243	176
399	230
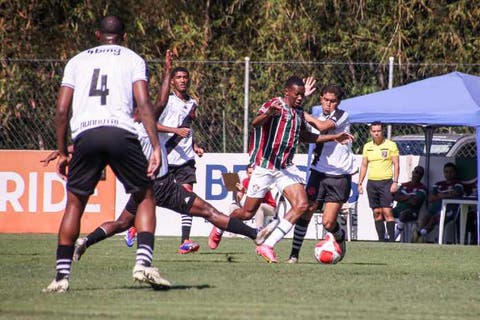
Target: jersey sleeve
69	75
394	150
140	71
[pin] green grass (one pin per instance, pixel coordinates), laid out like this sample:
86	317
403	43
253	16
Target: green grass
374	281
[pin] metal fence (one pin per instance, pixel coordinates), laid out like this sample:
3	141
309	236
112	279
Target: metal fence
28	91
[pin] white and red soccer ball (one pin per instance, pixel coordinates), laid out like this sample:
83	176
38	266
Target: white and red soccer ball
328	251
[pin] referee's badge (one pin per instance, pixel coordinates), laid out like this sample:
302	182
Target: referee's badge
384	154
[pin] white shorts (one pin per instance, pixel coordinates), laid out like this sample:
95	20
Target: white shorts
262	180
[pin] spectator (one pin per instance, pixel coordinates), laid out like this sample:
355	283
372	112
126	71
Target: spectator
410	197
451	187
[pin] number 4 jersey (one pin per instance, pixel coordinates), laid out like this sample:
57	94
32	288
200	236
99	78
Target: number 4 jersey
102	79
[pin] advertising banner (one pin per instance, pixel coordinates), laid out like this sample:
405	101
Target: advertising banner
33	197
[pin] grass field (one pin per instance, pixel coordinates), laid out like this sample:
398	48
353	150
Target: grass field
374	281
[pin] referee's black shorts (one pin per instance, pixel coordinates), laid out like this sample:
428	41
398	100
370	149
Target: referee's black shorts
168	194
96	148
379	195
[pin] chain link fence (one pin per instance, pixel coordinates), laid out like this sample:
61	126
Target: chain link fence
28	91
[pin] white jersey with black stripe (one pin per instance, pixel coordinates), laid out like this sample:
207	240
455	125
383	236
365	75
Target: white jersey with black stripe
102	79
178	113
331	157
147	148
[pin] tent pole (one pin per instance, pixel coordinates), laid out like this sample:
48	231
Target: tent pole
390	86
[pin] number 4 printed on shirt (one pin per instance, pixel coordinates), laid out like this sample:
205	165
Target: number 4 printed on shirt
103	91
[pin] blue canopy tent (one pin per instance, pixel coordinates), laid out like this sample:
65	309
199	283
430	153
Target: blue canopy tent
452	99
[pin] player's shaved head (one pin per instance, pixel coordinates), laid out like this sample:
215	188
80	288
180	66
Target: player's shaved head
112	25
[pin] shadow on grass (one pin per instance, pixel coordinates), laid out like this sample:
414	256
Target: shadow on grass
145	287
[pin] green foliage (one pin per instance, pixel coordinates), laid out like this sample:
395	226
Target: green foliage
374	281
345	42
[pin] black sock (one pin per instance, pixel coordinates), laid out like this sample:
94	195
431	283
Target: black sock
186	227
391	230
238	227
145	242
337	233
96	236
380	227
298	235
64	261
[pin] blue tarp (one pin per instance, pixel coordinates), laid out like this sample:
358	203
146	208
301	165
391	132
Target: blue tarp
450	99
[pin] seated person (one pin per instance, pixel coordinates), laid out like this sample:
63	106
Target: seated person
409	196
267	208
451	187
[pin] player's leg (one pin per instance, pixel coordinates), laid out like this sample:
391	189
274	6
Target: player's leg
262	179
105	230
185	175
291	184
386	203
301	226
336	193
374	201
130	166
85	170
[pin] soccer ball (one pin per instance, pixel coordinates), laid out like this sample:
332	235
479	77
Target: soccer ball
327	251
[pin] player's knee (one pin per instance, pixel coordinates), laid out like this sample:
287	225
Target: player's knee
301	207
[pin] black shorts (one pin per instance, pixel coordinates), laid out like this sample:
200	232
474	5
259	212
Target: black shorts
328	188
96	148
168	194
185	173
379	195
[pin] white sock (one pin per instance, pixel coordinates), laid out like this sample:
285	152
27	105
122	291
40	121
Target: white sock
283	227
219	231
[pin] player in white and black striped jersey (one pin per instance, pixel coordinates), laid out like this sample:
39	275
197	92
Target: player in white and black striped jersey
329	182
175	127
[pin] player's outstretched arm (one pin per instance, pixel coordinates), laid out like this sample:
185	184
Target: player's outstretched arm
162	97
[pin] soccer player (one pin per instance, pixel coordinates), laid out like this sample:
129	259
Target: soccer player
331	170
278	127
379	156
175	127
99	86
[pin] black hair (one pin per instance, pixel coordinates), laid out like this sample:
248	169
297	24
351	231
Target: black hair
294	81
332	88
450	165
179	69
376	123
112	25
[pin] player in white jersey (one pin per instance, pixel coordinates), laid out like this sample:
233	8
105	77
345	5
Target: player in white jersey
331	171
99	85
175	127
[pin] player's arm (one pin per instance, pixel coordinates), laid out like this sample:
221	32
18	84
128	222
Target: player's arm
146	115
396	173
182	132
319	124
362	173
162	97
310	137
273	110
54	155
64	100
198	149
